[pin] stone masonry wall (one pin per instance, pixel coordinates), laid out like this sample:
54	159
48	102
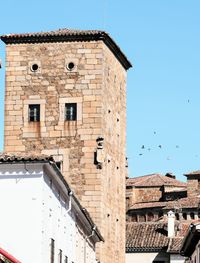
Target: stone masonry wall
97	85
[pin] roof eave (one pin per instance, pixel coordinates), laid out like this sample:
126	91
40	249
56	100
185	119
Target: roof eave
22	39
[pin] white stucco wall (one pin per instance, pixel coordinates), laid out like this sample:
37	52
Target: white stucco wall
150	257
176	259
145	257
34	210
21	217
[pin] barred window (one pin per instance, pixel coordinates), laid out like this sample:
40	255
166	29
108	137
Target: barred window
34	112
70	111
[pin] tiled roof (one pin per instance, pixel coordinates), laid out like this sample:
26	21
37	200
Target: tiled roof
149	236
175	245
187	202
147	205
69	35
154	180
59	32
193	173
23	157
152	236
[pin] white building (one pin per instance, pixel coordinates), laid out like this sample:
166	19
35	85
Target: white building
41	220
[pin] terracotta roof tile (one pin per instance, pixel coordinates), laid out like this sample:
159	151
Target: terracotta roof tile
187	202
18	157
154	180
175	244
146	237
193	173
147	205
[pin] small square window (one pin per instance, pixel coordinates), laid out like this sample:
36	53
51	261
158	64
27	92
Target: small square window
70	111
34	112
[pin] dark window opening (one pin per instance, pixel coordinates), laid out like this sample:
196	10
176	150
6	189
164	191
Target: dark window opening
150	216
134	218
177	216
34	67
34	112
70	66
52	251
192	215
60	256
70	111
142	218
185	216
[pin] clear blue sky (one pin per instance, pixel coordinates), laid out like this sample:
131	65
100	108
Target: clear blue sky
162	40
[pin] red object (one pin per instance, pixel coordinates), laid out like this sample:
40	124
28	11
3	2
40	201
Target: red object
8	256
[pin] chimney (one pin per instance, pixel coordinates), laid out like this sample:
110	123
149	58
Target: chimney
171	223
193	183
170	175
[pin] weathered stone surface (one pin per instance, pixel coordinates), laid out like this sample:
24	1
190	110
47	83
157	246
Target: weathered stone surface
98	86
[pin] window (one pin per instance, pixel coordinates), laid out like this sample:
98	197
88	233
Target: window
150	216
34	67
52	250
60	256
70	66
70	111
34	112
177	216
192	215
185	216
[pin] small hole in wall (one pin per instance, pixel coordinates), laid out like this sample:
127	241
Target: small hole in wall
109	111
108	215
117	119
117	219
34	67
70	66
108	161
117	167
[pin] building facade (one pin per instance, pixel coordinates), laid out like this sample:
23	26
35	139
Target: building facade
191	244
42	220
66	97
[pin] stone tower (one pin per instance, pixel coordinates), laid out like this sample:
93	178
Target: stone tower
66	97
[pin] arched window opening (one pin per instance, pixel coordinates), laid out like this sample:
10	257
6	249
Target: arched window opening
192	215
177	216
185	216
142	218
150	216
134	218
